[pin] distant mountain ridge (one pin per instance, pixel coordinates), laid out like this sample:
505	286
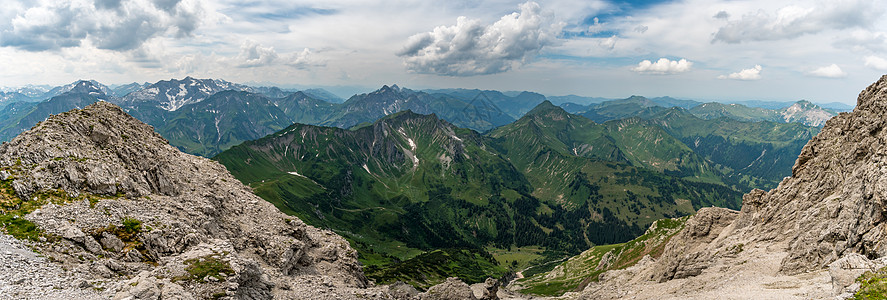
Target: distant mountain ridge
802	111
20	116
270	109
514	105
158	105
477	113
172	94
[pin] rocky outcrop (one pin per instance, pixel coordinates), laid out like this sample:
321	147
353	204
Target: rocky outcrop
452	289
127	207
824	224
685	255
844	272
835	201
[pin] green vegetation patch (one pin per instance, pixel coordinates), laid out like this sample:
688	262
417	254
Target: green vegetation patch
201	267
430	268
873	285
20	228
579	271
12	211
13	208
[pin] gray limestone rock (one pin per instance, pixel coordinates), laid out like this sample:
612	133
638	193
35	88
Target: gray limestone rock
183	205
686	255
111	242
486	290
845	271
402	291
451	289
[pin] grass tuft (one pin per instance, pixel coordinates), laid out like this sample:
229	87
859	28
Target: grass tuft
201	267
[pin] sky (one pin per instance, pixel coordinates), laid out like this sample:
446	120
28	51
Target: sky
823	51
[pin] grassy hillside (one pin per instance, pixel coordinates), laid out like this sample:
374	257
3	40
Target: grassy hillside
410	184
749	154
577	272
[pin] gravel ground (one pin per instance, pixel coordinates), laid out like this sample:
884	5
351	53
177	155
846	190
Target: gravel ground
27	275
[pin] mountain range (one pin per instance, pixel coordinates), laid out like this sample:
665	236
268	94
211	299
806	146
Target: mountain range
158	104
410	183
189	111
803	112
420	198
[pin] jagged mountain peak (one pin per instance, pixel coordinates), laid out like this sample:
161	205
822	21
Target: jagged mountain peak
172	94
392	89
547	110
81	86
87	87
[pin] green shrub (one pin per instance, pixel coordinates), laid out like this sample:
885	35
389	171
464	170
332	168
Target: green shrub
200	268
132	226
874	285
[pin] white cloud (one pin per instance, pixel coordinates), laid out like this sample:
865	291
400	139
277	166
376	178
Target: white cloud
745	74
876	63
663	66
793	21
831	71
113	25
471	48
253	54
609	43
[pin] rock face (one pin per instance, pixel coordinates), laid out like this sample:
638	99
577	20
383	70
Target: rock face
835	201
452	289
834	206
682	256
143	220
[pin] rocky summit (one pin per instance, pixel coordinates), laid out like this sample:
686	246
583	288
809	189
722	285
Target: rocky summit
810	237
129	216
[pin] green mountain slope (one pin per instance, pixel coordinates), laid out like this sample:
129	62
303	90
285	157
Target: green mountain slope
749	154
580	270
478	113
224	119
304	108
412	178
411	183
633	141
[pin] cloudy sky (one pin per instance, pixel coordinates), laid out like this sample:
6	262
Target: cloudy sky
698	49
